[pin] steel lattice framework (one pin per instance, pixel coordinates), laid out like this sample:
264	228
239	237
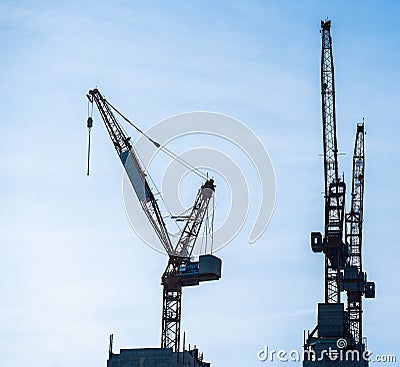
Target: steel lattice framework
171	280
354	222
171	317
335	188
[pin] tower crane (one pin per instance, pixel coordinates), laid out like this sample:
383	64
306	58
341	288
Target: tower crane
341	242
355	280
182	270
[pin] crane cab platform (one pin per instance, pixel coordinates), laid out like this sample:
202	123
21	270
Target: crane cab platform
209	268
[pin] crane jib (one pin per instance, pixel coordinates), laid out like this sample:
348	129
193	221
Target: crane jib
135	176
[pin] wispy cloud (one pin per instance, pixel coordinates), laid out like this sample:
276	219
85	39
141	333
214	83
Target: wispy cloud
72	270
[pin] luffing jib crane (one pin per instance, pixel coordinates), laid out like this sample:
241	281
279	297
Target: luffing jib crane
341	242
182	270
355	280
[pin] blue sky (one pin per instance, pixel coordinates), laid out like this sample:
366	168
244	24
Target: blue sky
72	271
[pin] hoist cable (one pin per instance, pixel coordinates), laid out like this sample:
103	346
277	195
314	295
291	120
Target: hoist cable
88	156
89	126
161	147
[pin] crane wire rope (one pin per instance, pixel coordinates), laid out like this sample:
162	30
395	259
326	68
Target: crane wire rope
212	224
166	151
158	192
89	126
90	121
208	229
163	148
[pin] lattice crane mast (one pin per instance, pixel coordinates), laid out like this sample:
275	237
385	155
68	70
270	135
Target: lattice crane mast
181	270
355	280
332	244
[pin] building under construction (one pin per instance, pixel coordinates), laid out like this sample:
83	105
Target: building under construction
156	357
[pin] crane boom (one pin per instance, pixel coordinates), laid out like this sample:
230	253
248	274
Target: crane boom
133	169
354	221
335	188
185	245
328	108
355	279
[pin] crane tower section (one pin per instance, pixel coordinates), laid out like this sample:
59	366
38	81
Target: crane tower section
182	271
